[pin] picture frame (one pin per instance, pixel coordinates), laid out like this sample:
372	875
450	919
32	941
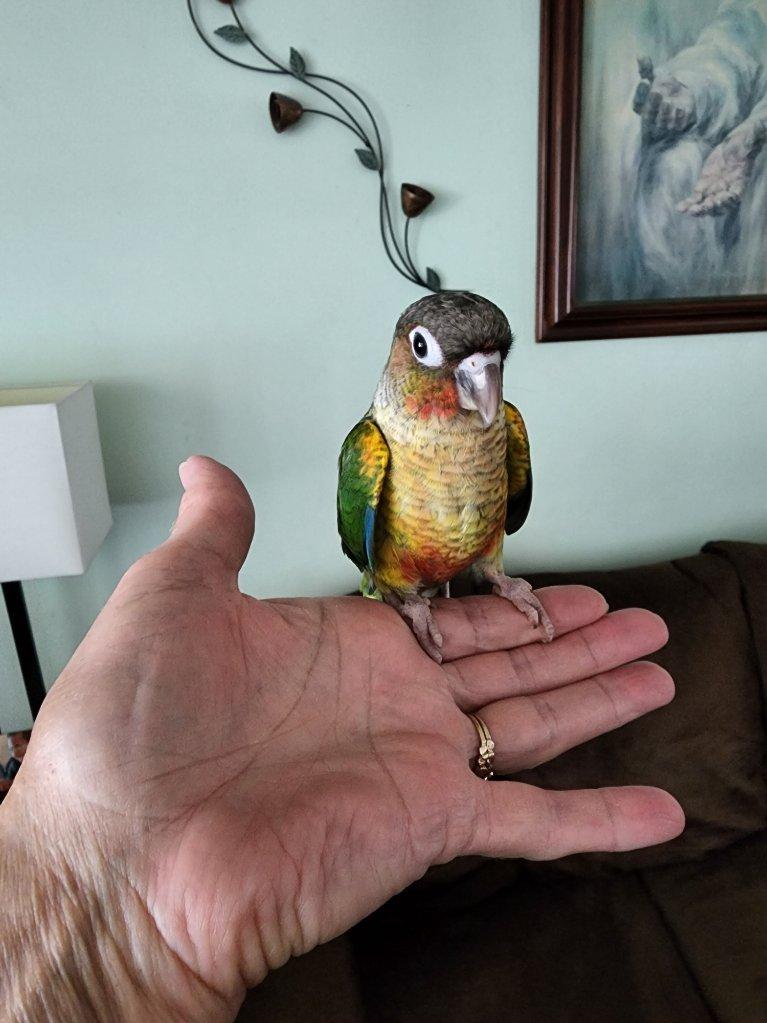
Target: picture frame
560	314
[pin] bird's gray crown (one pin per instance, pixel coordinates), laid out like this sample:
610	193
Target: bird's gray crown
461	322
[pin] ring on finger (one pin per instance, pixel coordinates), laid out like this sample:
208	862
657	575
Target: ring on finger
483	766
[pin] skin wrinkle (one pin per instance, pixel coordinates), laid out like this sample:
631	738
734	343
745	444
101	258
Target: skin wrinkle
339	674
274	608
212	550
154	917
302	943
267	956
619	718
308	774
546	714
269	962
585	640
217	789
184	575
306	905
380	760
276	728
62	956
481	836
342	842
196	761
535	820
441	829
456	844
243	646
142	905
473	626
462	686
84	961
520	832
608	806
554	822
527	670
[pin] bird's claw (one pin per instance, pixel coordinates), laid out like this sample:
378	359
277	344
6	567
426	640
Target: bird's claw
418	613
520	593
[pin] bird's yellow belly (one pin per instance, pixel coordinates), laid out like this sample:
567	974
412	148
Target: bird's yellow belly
443	506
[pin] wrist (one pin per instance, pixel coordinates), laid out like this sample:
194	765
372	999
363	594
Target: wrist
79	946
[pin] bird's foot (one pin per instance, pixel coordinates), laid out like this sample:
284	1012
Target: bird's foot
521	595
417	612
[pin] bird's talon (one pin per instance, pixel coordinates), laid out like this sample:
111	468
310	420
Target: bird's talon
520	593
417	612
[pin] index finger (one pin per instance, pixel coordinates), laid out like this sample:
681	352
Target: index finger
480	625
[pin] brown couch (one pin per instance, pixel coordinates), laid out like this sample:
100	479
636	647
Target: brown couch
673	934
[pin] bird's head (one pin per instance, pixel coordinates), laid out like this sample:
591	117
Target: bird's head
447	357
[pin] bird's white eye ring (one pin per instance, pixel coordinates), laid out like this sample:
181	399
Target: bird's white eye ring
426	349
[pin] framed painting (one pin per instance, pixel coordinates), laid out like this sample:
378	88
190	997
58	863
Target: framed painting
652	168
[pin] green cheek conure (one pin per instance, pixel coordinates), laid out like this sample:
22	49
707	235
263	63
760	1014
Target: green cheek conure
439	468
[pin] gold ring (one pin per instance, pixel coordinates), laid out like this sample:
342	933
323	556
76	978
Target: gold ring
483	767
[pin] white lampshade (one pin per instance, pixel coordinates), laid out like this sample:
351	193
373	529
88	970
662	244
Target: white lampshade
54	509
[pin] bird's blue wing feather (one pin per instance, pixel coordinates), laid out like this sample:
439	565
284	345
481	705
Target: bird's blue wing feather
361	473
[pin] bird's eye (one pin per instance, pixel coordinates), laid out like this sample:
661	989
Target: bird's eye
425	347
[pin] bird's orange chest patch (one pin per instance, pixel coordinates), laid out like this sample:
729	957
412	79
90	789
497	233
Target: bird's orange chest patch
431	563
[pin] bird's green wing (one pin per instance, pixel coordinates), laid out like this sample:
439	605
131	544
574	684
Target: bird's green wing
361	473
520	475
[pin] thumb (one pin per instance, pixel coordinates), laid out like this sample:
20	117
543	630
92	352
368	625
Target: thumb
215	517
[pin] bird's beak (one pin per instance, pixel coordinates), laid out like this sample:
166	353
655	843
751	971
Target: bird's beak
478	378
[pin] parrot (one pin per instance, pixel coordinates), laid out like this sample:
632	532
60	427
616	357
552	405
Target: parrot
438	469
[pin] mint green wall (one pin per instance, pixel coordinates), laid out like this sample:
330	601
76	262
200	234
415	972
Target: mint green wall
226	291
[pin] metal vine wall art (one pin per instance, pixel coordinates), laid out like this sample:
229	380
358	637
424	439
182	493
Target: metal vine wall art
285	111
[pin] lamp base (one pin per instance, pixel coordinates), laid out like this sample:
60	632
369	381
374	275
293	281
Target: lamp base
25	645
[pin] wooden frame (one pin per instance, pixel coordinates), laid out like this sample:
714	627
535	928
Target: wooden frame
558	317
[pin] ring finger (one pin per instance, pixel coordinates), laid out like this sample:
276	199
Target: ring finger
531	729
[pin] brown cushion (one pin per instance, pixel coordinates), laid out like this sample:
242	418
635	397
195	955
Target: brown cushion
707	746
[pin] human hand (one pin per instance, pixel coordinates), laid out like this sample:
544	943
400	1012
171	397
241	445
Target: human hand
666	106
216	783
727	171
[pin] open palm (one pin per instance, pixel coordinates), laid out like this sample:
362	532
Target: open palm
256	776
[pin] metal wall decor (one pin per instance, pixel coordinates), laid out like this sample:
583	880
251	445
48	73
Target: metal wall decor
285	111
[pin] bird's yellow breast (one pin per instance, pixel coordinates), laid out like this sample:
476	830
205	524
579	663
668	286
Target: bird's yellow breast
443	504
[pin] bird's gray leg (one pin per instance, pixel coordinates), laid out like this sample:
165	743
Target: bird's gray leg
521	595
416	610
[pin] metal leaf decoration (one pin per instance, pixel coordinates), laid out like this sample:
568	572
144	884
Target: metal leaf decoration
367	158
433	281
232	34
297	63
356	117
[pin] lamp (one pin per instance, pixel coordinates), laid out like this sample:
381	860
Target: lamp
54	508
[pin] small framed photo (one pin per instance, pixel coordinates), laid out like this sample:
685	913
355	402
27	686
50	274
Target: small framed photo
652	168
